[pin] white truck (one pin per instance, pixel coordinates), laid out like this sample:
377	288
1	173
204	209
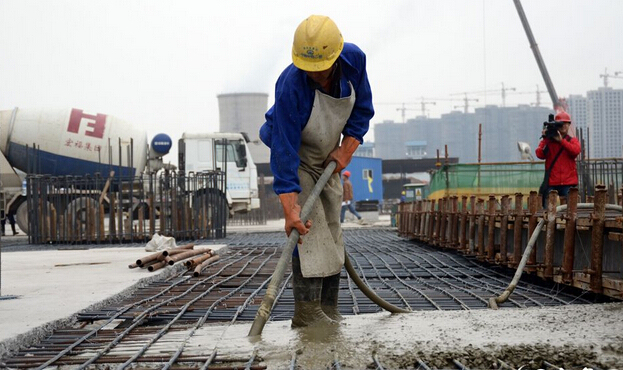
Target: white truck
200	152
74	142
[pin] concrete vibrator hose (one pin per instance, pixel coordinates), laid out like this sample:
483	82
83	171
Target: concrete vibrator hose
263	313
495	301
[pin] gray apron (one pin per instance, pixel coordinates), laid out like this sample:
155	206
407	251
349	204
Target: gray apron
322	251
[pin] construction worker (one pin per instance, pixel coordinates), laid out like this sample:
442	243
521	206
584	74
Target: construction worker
559	153
347	198
321	96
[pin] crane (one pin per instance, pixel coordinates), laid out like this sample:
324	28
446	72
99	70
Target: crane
538	95
466	101
503	90
606	75
422	103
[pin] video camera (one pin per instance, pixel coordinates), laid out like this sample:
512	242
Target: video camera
551	127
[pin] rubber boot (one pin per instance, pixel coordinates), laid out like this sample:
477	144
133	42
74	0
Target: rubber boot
329	298
13	228
307	293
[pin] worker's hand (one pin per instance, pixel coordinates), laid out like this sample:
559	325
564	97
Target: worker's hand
559	137
292	214
343	153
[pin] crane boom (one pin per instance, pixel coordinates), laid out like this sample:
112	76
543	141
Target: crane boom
537	55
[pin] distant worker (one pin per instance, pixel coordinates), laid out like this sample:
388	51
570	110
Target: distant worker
347	198
323	95
11	218
559	152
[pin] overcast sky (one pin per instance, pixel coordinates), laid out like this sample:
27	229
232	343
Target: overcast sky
161	64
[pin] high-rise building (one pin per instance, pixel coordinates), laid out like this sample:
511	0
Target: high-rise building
502	128
605	122
577	108
600	116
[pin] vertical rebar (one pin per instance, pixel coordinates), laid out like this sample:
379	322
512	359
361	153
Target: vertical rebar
597	239
431	222
452	222
550	235
491	229
443	207
569	244
462	223
481	227
533	207
504	229
472	224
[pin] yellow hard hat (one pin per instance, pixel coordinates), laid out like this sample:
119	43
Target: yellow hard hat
317	44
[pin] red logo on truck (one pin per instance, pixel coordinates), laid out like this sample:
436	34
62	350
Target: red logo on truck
97	123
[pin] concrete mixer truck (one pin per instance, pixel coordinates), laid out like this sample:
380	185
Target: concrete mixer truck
75	142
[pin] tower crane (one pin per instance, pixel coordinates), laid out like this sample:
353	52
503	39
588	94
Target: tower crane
538	95
606	75
422	104
503	90
466	101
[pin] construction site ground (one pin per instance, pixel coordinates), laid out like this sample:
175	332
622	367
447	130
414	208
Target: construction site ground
51	291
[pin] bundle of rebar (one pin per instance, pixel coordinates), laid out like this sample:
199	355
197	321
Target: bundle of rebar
168	257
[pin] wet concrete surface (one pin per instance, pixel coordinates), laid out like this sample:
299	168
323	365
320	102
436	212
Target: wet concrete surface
569	336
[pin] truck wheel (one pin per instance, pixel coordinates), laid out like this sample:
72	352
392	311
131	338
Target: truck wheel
77	216
21	217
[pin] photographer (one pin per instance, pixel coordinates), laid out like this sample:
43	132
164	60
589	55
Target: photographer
559	151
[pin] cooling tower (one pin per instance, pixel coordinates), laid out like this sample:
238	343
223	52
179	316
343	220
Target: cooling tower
244	112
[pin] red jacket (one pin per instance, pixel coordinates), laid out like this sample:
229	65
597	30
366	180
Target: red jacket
565	171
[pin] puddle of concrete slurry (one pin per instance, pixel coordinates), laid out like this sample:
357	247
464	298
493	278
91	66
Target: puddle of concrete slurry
570	335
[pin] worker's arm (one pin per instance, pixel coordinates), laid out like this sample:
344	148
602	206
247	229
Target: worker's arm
571	145
285	122
541	151
354	70
357	125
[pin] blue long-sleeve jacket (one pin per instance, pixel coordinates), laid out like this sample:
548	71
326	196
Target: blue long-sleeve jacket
294	98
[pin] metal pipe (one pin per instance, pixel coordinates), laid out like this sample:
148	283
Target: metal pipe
199	269
198	260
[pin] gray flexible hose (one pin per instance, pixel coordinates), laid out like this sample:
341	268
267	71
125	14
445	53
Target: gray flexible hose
495	301
367	291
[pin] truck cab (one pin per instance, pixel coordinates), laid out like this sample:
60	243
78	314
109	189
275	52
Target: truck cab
228	152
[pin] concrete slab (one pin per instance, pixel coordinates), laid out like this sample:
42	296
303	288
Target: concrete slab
52	286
